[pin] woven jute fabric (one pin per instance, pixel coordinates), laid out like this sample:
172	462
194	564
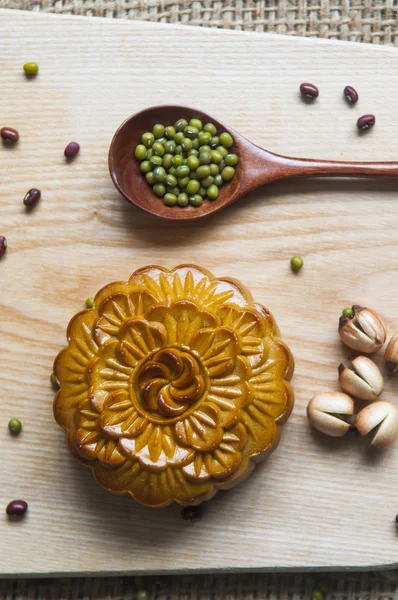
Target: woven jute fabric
352	586
373	21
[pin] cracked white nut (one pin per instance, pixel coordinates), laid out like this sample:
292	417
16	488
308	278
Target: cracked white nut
379	419
328	411
364	332
365	381
391	354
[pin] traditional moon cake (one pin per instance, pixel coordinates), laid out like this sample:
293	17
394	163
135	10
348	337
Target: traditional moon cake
173	385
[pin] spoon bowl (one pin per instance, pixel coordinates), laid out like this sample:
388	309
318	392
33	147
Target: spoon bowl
125	168
255	167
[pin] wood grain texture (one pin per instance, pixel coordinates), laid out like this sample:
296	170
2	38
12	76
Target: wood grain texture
316	503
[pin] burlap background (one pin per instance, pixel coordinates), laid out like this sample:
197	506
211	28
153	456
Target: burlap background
374	21
221	587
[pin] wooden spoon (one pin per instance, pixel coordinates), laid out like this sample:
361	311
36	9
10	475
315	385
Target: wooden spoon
256	166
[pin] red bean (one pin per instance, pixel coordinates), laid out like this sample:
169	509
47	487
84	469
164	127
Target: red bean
366	122
32	197
3	245
191	513
351	94
71	150
16	508
309	90
8	134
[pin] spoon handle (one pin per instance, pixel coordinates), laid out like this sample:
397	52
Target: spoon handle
306	167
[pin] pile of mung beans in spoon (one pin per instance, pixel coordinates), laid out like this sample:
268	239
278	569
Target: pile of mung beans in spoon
186	162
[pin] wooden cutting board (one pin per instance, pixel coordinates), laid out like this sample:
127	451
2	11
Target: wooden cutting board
316	503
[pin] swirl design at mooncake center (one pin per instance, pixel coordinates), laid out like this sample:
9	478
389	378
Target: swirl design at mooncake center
169	384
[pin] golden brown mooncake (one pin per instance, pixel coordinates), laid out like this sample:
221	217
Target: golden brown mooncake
173	385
